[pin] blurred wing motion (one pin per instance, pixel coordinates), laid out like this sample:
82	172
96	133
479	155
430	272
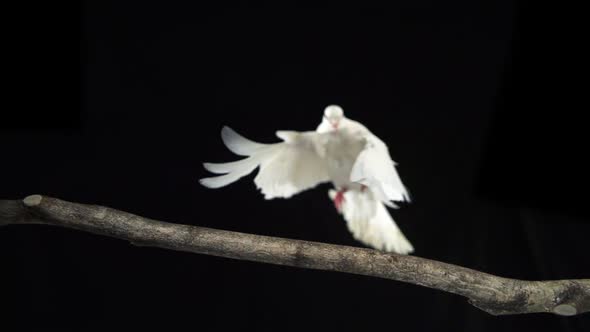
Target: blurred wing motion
375	169
369	222
286	168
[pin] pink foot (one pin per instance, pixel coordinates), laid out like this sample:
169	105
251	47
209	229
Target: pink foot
339	199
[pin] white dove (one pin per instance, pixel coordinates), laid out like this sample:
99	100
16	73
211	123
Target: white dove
342	151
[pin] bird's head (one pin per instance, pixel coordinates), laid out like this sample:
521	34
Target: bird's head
333	114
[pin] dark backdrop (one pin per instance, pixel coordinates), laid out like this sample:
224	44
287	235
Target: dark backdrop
478	102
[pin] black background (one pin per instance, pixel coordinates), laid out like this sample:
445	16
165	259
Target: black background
480	104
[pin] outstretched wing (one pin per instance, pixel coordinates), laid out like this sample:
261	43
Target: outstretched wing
375	169
295	165
286	168
370	223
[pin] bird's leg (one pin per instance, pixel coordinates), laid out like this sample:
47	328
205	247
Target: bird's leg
339	199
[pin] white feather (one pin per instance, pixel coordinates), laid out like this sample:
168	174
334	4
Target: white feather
294	166
370	223
238	144
223	168
285	168
375	169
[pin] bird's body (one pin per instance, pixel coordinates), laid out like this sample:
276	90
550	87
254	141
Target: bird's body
341	151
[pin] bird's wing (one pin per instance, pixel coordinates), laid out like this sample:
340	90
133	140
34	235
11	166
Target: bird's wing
286	168
369	222
296	165
375	169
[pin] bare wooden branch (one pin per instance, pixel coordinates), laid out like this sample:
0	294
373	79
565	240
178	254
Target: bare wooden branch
493	294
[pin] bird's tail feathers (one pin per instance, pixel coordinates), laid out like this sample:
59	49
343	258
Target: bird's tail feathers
370	223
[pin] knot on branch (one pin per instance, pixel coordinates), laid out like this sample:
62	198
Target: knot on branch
574	297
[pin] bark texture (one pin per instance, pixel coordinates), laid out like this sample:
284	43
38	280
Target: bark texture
493	294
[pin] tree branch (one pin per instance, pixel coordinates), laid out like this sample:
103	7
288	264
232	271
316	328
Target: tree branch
495	295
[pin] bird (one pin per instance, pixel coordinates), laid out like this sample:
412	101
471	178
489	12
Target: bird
341	151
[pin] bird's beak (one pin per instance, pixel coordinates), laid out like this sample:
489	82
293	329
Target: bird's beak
334	124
